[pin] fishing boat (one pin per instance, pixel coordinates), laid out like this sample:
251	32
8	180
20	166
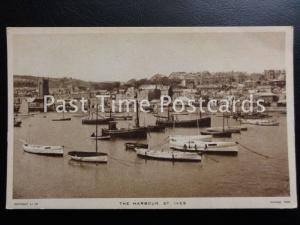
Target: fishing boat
172	119
206	147
63	118
168	155
44	149
130	132
92	157
175	138
260	122
133	145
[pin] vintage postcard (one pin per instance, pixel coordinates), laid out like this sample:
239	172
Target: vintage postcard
151	118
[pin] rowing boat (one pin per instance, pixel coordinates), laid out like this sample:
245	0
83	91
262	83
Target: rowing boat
94	157
44	149
232	129
168	155
175	138
133	145
260	122
206	147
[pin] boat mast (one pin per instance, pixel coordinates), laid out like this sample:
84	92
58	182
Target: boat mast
137	111
96	127
110	106
223	122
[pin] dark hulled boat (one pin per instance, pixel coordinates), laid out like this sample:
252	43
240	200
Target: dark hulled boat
98	121
134	132
217	133
200	122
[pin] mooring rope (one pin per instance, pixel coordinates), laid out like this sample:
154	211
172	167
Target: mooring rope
255	152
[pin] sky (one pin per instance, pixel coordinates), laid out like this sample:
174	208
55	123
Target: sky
123	56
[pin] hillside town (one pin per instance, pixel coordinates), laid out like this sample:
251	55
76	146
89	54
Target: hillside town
269	86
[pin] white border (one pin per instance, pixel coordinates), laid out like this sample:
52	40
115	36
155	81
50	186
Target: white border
128	203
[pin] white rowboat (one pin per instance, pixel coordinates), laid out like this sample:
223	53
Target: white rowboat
260	122
94	157
44	149
168	155
176	138
206	147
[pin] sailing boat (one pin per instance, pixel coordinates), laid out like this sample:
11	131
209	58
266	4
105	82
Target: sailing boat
95	157
134	132
43	149
171	122
63	118
218	133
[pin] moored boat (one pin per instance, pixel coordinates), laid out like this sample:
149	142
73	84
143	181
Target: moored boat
230	129
133	145
175	138
101	137
94	157
98	121
260	122
44	149
220	133
206	147
130	132
200	122
168	155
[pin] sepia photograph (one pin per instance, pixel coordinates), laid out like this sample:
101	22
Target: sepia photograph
151	118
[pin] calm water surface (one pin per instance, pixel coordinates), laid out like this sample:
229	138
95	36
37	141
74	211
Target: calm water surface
126	175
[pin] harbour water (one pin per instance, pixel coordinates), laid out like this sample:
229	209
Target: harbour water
126	175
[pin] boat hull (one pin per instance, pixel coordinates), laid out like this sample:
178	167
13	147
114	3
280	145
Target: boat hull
207	147
176	138
260	122
126	133
90	157
132	145
170	156
217	133
97	121
100	137
64	119
44	150
201	122
220	129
